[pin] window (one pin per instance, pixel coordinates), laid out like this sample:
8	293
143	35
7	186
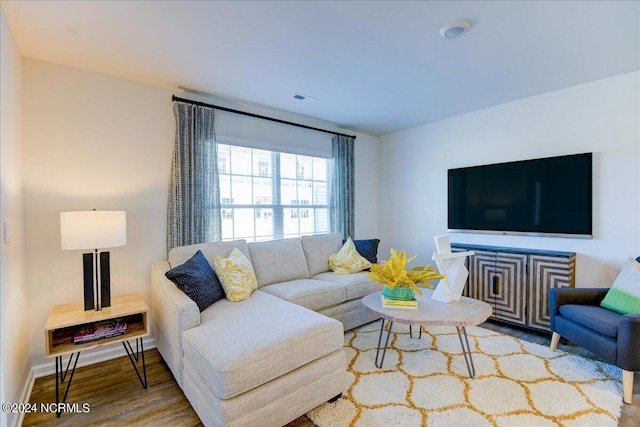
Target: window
269	195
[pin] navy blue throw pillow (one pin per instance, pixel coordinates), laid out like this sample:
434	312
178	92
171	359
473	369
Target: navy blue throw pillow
197	279
368	248
638	259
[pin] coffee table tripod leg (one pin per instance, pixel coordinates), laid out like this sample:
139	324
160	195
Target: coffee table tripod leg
466	351
386	344
411	332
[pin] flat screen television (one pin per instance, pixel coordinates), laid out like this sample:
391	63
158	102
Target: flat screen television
543	197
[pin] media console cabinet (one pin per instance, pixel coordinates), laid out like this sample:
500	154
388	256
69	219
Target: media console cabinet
516	281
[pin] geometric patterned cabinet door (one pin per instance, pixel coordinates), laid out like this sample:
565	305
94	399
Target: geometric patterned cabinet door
546	272
516	281
500	280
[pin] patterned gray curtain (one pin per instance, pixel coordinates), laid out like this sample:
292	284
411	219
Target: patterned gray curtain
342	186
193	214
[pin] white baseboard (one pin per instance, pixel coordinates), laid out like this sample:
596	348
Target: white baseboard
89	357
24	398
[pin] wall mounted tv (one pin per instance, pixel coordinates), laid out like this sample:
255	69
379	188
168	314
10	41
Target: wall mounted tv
542	197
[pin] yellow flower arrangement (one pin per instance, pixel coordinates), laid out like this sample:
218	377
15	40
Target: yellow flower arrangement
393	273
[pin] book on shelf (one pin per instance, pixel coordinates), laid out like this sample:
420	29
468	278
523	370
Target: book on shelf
411	304
100	330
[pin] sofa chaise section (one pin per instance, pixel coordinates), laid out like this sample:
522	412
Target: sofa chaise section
274	356
242	347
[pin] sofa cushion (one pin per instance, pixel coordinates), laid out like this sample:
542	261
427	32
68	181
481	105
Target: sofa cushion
179	255
593	317
318	248
347	260
368	248
312	294
236	274
243	345
278	261
197	279
356	285
624	295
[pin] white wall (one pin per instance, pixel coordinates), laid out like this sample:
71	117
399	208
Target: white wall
602	117
14	345
91	141
96	141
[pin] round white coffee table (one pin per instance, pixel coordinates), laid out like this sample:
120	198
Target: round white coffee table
463	313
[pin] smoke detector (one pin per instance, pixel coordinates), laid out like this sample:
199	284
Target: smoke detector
455	29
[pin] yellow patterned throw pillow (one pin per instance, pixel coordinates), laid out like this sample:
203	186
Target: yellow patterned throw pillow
236	275
347	260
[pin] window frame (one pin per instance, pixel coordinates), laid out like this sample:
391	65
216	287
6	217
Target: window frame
303	207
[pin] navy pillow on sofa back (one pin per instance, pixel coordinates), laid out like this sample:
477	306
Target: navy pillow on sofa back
197	279
368	248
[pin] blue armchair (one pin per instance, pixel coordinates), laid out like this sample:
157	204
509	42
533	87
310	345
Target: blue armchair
576	315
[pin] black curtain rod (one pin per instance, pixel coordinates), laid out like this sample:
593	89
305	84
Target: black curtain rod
257	116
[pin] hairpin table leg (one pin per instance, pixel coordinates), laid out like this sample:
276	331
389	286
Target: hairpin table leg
385	344
466	351
135	356
60	377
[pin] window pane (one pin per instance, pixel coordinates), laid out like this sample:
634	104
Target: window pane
305	193
321	220
264	224
243	223
291	222
320	193
262	191
287	165
241	190
319	169
241	160
268	195
227	224
225	190
261	163
303	167
288	192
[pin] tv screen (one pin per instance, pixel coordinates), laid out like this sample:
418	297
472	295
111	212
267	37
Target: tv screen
550	196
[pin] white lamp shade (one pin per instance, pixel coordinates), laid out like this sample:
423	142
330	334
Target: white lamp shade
93	229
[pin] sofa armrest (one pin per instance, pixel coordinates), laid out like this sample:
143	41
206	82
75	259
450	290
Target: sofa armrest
173	313
562	296
629	342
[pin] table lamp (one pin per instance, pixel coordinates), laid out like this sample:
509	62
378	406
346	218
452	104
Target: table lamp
94	230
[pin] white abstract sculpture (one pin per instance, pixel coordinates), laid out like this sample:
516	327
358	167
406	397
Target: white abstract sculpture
451	265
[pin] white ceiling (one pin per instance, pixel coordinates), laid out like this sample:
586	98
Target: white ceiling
374	66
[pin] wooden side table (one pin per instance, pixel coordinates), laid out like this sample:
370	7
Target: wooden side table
67	319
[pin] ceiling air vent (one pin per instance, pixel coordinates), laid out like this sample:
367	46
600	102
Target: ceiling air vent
303	97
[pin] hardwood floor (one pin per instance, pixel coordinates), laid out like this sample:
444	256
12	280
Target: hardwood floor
116	398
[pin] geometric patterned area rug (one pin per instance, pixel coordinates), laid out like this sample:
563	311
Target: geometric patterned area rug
425	382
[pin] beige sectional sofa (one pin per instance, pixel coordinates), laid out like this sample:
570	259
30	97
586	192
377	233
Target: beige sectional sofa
268	359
